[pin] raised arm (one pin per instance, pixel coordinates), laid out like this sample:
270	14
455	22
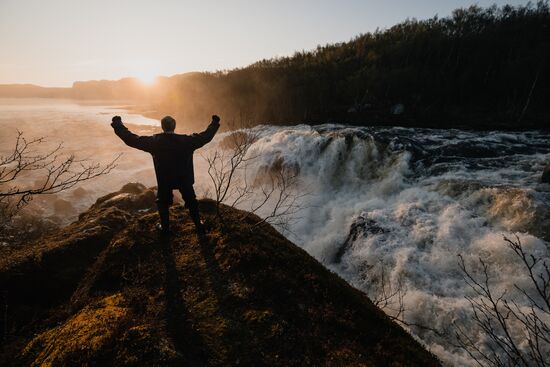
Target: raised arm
207	135
144	143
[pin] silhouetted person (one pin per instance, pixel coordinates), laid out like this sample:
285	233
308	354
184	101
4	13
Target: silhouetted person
173	159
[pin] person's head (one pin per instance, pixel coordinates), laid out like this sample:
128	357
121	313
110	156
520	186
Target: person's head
168	124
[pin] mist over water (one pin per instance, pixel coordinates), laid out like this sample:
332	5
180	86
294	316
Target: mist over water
83	130
403	201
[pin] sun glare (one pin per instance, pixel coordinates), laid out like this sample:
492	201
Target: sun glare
148	78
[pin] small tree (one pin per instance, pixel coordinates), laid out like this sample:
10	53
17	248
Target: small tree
273	187
512	334
225	164
57	171
389	296
278	192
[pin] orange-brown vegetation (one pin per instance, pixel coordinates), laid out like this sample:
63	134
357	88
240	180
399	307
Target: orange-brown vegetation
108	290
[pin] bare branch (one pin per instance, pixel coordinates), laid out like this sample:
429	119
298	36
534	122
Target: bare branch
57	173
513	335
274	188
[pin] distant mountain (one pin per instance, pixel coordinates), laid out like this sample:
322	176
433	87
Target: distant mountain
106	290
122	89
32	91
126	88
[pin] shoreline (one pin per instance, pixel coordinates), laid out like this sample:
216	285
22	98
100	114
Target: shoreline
149	111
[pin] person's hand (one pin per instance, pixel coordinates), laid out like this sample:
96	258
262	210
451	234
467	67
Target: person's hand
216	119
116	120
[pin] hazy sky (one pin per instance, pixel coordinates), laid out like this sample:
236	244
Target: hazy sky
55	42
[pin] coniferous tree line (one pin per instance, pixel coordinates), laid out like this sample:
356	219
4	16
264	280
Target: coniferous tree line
479	67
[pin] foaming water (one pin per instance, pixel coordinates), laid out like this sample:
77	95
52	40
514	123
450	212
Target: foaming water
407	201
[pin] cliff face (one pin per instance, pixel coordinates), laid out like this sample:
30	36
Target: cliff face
107	290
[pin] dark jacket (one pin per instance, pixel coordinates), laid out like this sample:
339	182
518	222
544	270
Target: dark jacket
172	153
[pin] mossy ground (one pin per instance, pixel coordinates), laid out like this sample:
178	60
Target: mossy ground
241	295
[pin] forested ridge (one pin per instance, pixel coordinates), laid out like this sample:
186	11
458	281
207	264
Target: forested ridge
478	67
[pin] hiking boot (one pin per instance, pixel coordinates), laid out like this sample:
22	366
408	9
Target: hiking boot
163	231
200	228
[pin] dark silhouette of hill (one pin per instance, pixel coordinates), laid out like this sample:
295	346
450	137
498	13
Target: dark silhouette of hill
33	91
106	290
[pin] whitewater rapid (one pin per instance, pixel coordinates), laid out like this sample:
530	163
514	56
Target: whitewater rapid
402	203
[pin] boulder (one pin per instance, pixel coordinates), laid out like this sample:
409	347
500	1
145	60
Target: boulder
361	227
131	197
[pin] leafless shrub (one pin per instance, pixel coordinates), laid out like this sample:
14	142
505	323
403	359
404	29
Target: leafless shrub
229	171
280	192
225	164
57	172
389	296
511	334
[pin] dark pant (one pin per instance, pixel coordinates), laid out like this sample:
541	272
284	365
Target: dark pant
165	199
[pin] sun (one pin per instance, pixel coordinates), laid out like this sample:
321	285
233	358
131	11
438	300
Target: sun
147	77
146	71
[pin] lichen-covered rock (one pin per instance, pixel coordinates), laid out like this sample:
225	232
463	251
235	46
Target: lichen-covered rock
83	335
131	197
